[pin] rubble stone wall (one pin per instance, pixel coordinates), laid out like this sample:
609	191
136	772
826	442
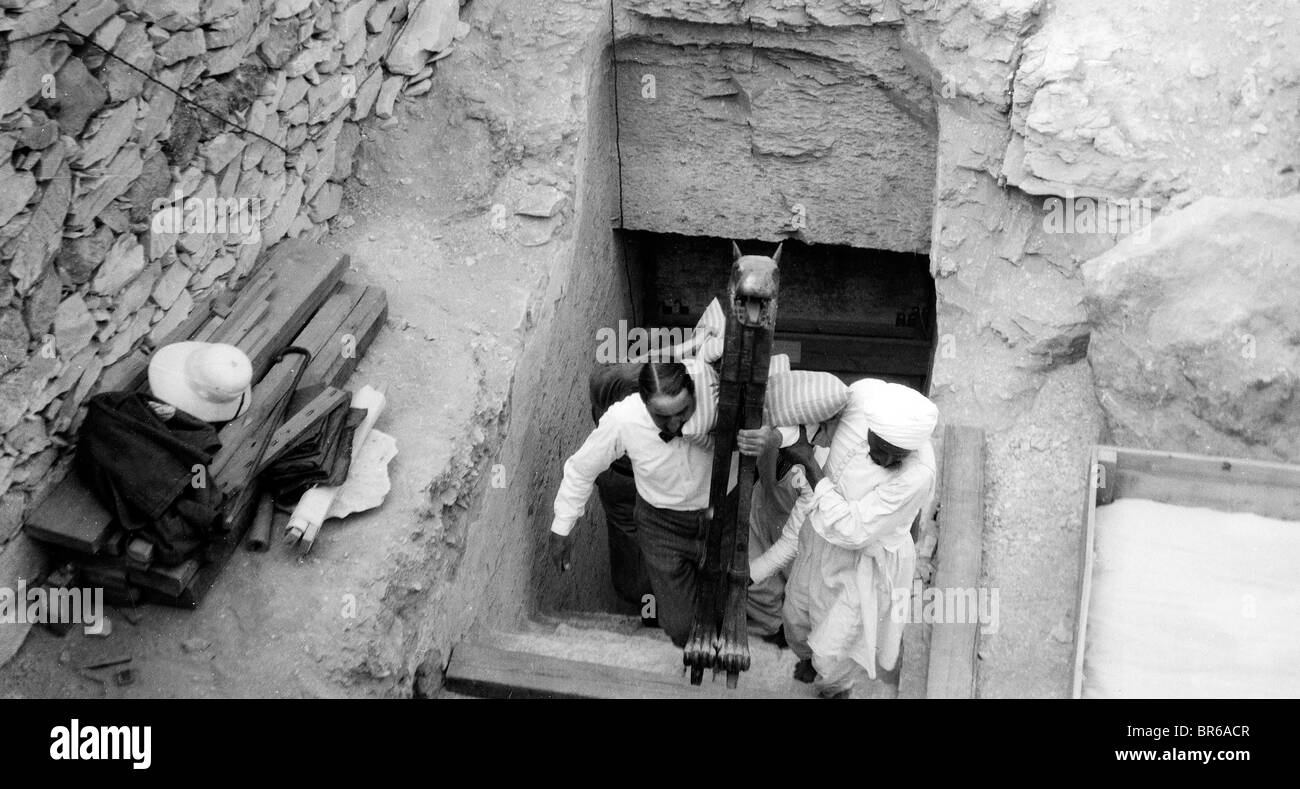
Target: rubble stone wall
129	192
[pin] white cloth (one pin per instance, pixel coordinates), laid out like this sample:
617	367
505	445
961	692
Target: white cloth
899	414
857	546
670	475
783	551
1190	602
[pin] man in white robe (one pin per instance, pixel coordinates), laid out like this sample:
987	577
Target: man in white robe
855	545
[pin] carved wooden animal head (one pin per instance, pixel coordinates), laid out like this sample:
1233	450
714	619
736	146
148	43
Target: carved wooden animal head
753	288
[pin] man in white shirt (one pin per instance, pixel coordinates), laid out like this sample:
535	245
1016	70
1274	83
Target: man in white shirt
663	429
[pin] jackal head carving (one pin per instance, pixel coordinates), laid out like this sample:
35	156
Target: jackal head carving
753	287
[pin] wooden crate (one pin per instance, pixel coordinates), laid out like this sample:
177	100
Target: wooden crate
1271	490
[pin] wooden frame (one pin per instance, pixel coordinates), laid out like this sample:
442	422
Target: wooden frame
952	670
1271	490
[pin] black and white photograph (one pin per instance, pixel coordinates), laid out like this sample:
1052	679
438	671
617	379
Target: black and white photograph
875	350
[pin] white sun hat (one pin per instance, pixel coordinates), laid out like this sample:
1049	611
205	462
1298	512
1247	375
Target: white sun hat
211	381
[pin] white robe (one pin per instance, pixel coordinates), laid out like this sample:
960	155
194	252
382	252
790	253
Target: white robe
855	547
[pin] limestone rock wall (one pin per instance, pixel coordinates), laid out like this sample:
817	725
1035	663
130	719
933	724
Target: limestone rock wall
123	205
758	122
1043	107
1196	331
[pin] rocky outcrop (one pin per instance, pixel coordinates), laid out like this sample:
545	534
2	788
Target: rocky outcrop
1196	331
1201	92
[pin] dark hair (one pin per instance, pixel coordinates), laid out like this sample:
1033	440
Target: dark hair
665	378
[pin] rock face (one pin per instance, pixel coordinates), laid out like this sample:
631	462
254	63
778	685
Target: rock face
1196	331
1092	111
739	138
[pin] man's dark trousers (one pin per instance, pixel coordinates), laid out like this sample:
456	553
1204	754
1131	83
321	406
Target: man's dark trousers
672	543
626	568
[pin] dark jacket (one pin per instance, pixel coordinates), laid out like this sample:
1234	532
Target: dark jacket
152	475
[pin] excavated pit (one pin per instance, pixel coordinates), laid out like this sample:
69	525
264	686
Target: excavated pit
700	145
852	312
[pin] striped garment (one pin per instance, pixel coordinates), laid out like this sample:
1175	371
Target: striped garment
794	397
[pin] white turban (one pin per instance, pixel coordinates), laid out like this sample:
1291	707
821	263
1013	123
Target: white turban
899	414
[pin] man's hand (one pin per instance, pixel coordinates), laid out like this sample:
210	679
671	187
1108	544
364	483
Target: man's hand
801	452
560	548
755	442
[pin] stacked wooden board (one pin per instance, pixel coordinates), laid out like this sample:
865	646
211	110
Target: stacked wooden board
300	296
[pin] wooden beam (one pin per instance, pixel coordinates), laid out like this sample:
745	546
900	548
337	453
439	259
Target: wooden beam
301	276
71	517
338	356
336	309
1091	497
368	318
305	274
482	670
953	647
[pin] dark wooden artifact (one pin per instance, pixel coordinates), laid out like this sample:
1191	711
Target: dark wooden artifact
719	637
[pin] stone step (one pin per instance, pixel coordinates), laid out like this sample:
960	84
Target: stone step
646	661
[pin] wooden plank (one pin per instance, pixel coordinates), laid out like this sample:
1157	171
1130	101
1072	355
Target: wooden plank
237	331
1253	472
71	517
1269	489
242	439
481	670
305	274
1091	495
1268	501
234	470
951	673
168	580
252	293
338	358
333	313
